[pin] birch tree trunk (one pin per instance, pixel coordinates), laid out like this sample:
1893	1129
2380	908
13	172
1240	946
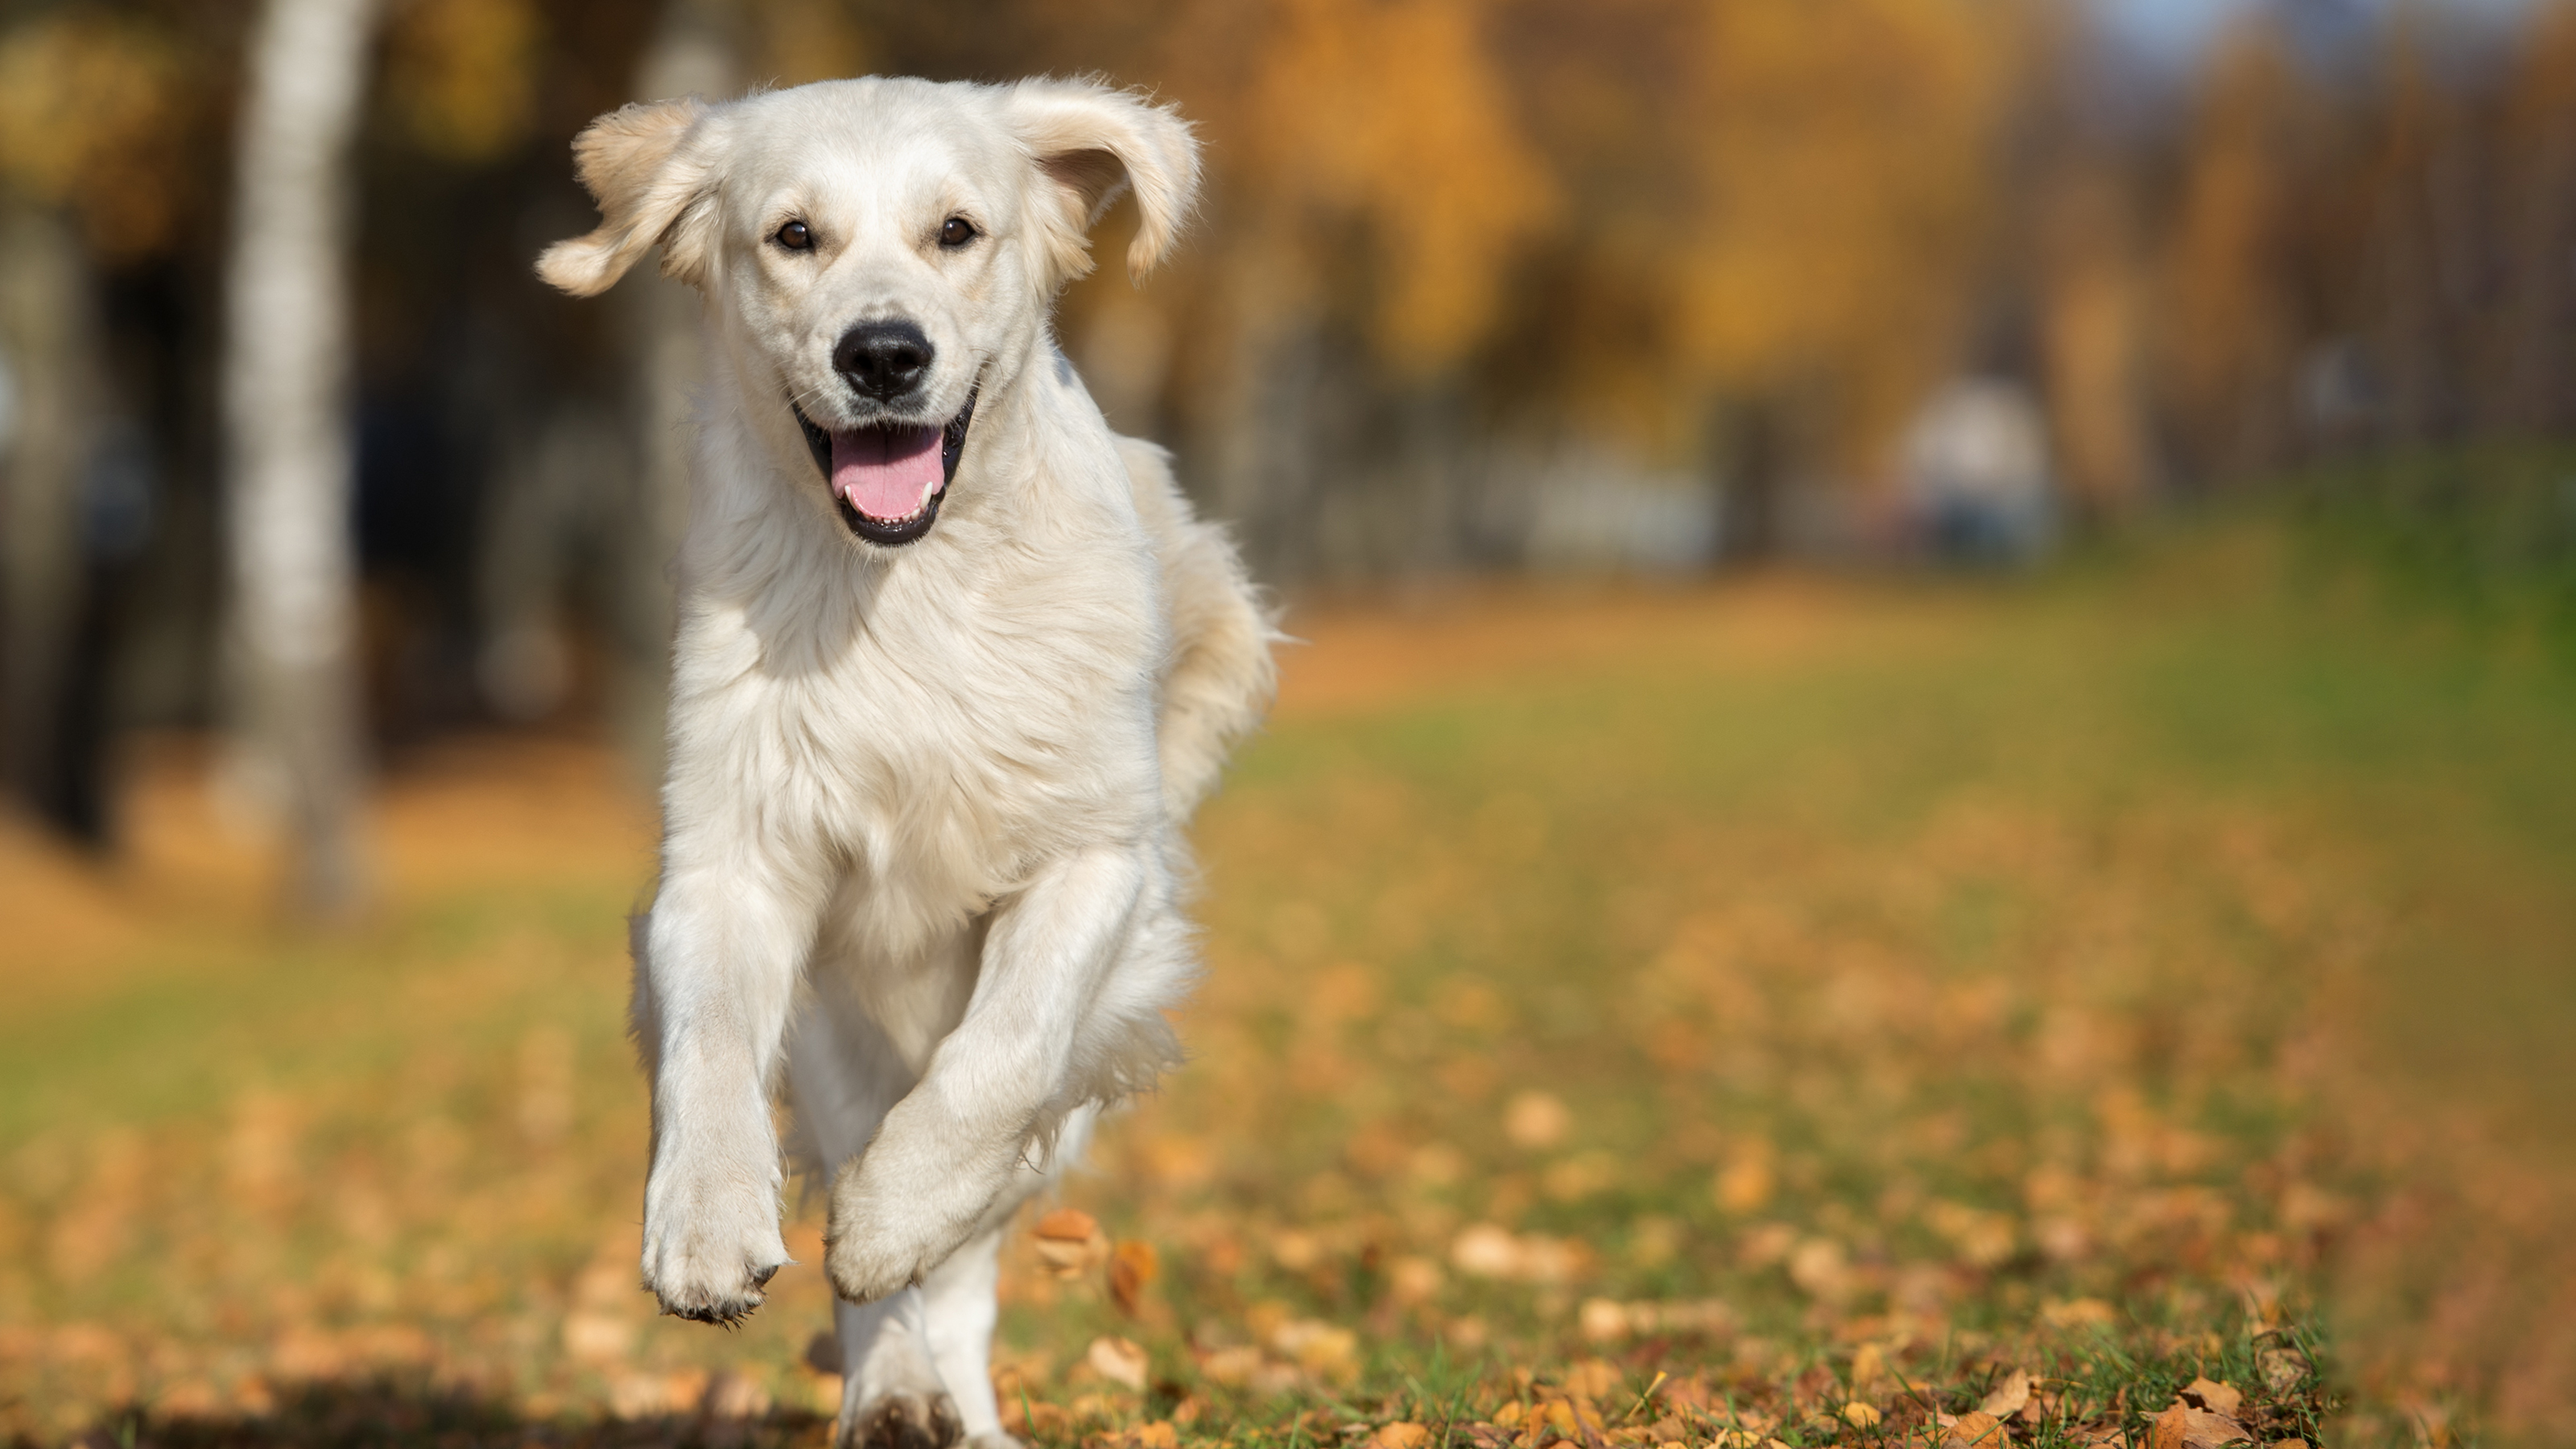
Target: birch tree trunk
290	452
697	50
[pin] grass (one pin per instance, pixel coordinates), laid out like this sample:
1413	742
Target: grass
1777	1012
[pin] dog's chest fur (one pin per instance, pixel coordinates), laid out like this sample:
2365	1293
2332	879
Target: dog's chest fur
939	720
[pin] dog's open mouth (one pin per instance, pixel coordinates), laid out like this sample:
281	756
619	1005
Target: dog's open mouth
888	480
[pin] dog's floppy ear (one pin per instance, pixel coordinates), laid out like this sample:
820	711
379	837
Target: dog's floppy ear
650	167
1090	143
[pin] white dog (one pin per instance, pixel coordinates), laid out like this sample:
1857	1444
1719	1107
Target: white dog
954	663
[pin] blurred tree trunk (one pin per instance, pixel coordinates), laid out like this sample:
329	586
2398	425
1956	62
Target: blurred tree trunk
697	49
2092	324
290	451
48	345
1751	457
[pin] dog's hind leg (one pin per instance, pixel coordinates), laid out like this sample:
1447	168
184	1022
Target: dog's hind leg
959	1297
844	1074
1220	677
960	1313
891	1393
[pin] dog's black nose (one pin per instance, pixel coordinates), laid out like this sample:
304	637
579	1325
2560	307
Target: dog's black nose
883	360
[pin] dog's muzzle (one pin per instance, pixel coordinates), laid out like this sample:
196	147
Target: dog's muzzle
888	480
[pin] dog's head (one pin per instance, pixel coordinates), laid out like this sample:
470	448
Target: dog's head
878	251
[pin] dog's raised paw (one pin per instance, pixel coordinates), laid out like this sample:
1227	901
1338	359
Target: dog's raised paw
863	1272
905	1421
693	1286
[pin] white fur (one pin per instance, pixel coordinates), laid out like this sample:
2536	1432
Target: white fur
922	844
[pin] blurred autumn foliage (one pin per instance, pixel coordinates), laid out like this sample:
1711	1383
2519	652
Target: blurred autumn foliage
1479	284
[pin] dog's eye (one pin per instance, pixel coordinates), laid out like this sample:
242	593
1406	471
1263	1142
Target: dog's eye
956	232
796	237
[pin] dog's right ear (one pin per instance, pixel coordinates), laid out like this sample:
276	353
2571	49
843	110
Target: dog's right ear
650	166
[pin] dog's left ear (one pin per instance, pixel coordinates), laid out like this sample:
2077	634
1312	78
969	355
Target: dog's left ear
1090	143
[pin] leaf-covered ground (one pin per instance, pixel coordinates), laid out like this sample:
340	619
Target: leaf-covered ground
2123	1007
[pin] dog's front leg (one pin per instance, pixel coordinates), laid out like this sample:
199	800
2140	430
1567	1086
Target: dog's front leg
951	1147
728	935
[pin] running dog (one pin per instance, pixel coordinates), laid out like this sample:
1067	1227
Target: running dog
954	663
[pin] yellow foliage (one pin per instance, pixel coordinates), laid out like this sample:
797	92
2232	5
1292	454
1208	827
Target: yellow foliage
1844	162
810	40
2228	340
89	119
460	75
1394	116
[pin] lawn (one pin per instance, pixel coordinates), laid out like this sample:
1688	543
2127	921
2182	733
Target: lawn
1792	1011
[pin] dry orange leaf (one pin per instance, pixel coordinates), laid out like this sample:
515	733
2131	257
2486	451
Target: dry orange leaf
2216	1397
1536	1119
2184	1427
1594	1378
2010	1396
1403	1434
1131	1270
1067	1225
1119	1360
1068	1241
1979	1430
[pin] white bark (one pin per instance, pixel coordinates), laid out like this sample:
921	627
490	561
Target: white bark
696	50
290	452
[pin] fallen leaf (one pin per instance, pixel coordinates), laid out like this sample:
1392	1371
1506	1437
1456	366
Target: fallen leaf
2079	1313
1403	1434
2283	1368
1132	1268
1536	1119
1820	1267
1068	1225
1602	1320
1979	1430
1860	1415
2216	1397
1413	1279
1744	1185
2184	1427
731	1396
1594	1378
1319	1348
597	1338
1486	1250
1118	1360
1231	1366
1155	1434
2010	1396
638	1396
1296	1250
1069	1241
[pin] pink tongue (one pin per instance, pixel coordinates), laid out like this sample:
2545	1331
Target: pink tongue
886	473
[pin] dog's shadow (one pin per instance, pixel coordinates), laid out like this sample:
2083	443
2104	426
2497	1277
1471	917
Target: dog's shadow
393	1411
